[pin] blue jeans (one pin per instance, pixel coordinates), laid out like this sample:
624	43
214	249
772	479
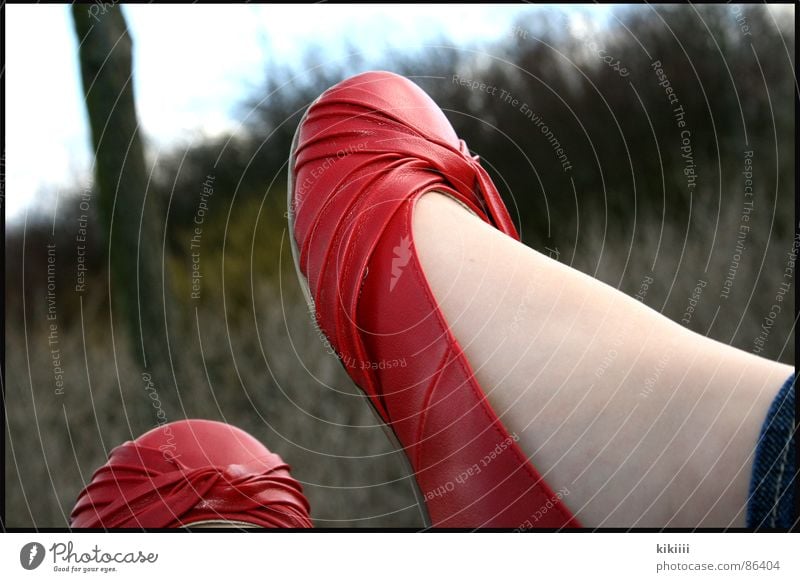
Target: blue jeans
773	483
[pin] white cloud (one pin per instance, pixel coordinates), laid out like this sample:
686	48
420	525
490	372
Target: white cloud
192	65
46	131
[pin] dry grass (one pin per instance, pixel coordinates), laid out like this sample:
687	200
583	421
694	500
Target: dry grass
677	257
291	395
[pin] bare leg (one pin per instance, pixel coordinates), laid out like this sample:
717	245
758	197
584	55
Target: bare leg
643	421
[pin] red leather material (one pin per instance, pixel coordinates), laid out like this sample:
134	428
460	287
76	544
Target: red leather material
187	472
366	151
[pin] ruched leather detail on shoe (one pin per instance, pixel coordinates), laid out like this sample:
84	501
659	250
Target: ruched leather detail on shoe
188	472
366	151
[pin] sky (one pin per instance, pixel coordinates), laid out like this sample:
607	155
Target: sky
192	66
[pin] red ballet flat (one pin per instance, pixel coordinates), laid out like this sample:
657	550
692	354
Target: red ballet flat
365	152
192	473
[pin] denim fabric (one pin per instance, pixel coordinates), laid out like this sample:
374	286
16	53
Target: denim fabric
773	483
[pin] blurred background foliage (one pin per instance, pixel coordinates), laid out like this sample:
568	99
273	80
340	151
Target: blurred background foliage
623	212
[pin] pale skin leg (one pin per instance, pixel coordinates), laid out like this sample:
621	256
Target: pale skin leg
645	423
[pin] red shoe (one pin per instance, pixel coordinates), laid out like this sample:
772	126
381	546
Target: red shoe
364	153
192	472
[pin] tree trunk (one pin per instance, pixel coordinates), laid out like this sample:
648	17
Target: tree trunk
133	220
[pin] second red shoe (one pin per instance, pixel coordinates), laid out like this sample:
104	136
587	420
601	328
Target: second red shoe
192	473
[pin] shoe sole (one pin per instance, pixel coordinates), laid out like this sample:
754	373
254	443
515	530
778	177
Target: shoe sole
310	302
